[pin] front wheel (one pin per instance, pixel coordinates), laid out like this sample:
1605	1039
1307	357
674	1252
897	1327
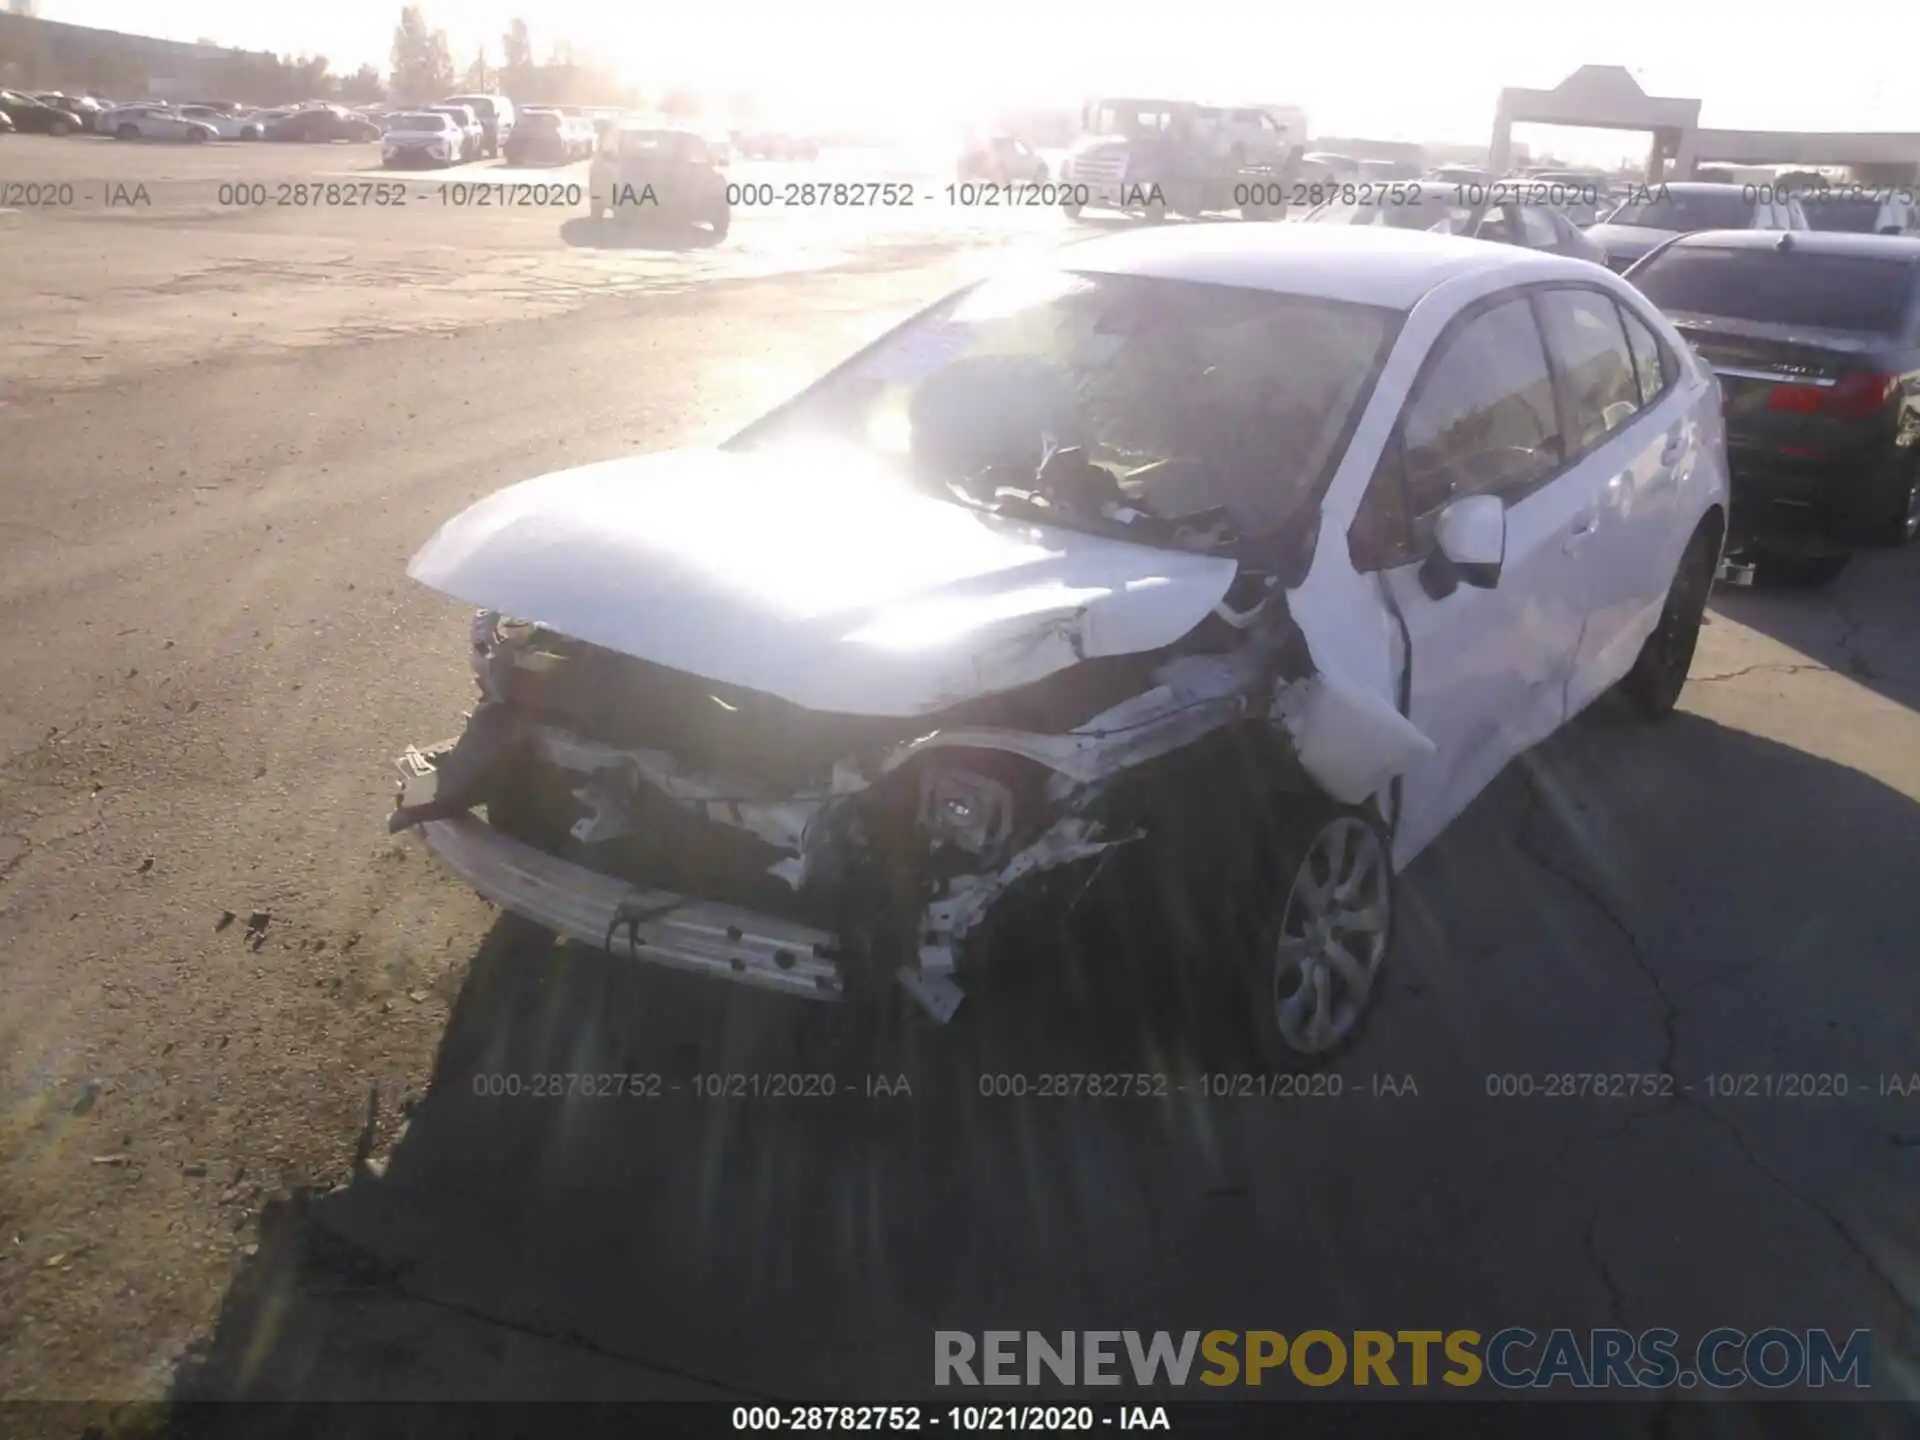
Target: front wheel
1659	673
722	223
1072	209
196	137
1319	914
60	129
127	132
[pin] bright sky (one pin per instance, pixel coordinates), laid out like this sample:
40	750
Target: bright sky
1388	70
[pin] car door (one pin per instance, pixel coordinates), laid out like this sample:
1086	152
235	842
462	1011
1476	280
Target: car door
1624	447
1488	668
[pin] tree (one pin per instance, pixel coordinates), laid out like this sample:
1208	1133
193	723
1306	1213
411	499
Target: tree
422	60
478	76
307	77
516	46
363	87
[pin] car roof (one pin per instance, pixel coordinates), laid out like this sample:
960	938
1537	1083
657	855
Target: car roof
1811	242
1363	265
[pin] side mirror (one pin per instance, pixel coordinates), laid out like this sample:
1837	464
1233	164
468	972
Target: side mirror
1470	546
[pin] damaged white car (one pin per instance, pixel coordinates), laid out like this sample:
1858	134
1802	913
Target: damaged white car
1249	554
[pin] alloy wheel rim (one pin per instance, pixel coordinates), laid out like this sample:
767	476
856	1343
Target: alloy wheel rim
1333	936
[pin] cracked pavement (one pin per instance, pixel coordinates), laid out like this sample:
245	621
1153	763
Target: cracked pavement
271	1167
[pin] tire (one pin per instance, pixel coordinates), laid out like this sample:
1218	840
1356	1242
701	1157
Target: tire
60	129
722	223
1072	210
195	137
128	131
1659	672
1313	916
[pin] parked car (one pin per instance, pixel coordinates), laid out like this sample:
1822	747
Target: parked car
229	125
1003	160
421	137
496	116
1658	213
144	123
643	172
473	134
547	137
83	106
1210	570
36	117
1433	205
1816	340
1860	212
320	124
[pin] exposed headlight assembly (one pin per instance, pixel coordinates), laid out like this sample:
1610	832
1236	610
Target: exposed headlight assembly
964	809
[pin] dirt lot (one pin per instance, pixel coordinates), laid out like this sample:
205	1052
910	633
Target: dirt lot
257	1159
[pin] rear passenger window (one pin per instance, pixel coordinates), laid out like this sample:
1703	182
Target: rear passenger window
1649	359
1483	420
1590	349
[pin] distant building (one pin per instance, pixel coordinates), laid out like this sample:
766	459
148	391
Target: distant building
49	55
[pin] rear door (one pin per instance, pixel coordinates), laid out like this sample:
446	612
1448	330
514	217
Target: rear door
1489	668
1627	430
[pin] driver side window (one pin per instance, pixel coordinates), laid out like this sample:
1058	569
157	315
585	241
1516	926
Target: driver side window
1481	421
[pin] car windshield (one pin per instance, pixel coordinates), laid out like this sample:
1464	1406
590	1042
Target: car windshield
418	122
1859	214
539	120
1837	292
480	105
1687	210
1194	398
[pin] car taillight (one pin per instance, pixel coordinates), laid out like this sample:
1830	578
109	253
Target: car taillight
1854	397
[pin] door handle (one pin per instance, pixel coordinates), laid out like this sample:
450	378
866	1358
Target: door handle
1671	452
1582	528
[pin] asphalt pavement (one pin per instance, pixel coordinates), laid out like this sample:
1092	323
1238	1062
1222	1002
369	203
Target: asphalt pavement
251	1045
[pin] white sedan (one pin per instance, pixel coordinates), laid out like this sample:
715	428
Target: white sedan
421	137
243	126
1243	555
143	122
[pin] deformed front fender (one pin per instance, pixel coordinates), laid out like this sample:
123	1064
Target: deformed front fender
1349	739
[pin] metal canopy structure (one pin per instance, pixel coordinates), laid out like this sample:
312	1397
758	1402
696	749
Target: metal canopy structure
1607	97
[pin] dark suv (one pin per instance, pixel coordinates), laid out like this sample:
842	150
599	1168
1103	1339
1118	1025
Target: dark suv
1816	339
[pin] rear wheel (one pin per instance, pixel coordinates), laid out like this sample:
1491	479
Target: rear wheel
722	223
1660	672
196	137
60	128
1072	209
128	131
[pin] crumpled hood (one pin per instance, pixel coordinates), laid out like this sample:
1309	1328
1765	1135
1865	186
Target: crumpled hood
815	576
